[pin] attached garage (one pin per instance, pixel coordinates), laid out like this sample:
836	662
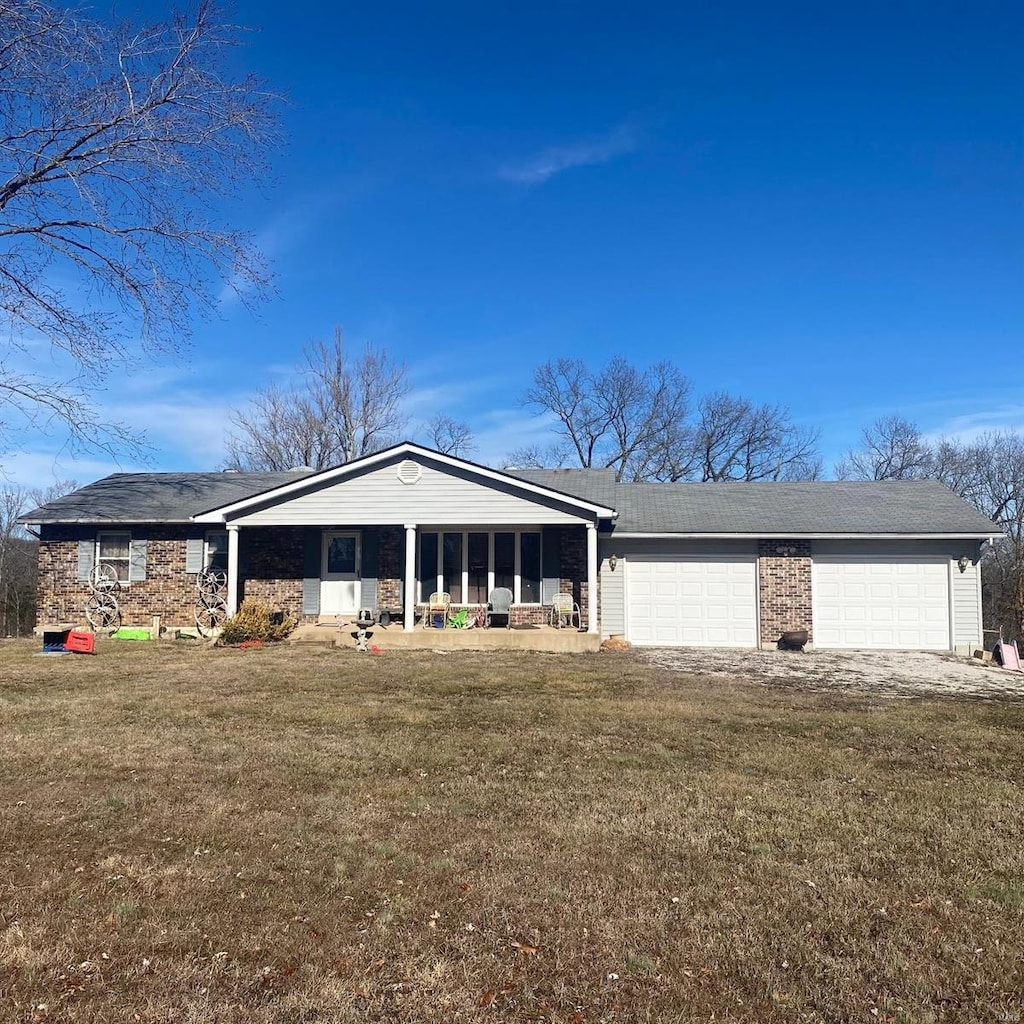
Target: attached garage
692	601
900	603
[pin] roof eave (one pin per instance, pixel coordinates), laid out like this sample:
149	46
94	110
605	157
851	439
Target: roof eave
97	521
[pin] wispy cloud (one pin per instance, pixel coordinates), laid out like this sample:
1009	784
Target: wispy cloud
970	426
586	152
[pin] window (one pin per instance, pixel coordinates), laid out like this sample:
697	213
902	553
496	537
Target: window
453	566
529	568
216	554
505	561
428	565
113	552
478	544
469	565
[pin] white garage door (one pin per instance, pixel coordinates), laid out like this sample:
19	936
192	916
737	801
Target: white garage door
901	604
692	602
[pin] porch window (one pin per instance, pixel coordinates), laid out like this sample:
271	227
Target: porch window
478	545
529	568
505	561
428	565
470	564
114	550
453	566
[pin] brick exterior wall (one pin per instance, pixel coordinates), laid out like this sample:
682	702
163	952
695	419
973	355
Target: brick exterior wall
390	566
166	591
784	581
270	563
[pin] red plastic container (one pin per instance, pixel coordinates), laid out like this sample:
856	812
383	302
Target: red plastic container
82	643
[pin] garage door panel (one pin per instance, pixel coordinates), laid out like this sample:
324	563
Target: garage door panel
695	602
895	603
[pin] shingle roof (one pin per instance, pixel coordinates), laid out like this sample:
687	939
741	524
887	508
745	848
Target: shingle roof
906	507
156	497
901	507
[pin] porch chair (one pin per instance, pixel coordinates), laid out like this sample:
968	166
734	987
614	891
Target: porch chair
437	606
563	610
499	605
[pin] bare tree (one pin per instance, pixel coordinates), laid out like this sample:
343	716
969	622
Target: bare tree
19	555
115	139
339	408
892	448
734	439
989	473
618	417
535	456
450	436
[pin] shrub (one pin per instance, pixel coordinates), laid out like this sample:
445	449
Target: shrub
254	621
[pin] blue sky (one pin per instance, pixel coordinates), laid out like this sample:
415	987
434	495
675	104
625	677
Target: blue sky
812	204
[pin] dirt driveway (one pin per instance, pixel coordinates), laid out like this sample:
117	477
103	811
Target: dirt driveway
884	673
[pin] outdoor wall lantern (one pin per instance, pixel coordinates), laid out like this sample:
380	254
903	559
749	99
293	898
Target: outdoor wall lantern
613	560
963	561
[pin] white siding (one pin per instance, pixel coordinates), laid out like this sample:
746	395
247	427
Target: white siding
438	498
966	608
613	603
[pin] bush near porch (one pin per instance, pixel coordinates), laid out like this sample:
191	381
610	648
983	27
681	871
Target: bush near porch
314	835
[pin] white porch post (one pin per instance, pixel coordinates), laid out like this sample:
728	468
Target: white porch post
409	612
591	577
232	600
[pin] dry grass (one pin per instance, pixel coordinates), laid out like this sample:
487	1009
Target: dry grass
313	835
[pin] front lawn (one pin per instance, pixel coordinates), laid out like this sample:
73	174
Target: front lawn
311	835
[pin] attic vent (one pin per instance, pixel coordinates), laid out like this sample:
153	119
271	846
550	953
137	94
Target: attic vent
409	472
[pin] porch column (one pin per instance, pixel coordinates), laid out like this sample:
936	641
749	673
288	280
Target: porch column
232	597
591	577
409	612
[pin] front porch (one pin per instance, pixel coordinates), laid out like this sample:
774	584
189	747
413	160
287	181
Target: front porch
394	637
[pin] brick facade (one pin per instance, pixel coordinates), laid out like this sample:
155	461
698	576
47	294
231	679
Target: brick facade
166	591
390	566
270	571
270	568
784	583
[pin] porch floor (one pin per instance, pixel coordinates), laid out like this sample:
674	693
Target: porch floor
524	638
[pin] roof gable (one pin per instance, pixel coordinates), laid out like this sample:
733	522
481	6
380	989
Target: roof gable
374	477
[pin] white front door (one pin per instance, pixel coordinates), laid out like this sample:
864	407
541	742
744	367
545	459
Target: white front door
691	601
339	574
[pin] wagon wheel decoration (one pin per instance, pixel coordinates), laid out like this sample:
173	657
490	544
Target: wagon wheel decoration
104	579
102	611
211	608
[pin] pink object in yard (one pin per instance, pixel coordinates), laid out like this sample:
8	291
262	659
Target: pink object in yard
1008	656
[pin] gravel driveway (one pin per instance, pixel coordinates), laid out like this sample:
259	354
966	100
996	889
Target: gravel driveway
884	673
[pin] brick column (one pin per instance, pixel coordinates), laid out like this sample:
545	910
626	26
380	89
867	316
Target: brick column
784	584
